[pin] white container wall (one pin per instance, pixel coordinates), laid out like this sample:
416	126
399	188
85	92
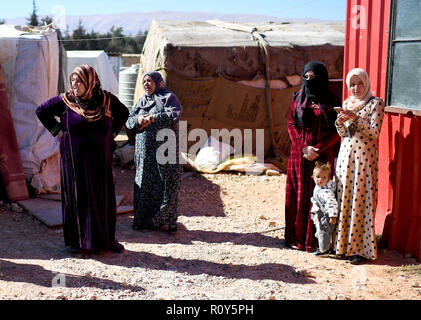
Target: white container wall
127	84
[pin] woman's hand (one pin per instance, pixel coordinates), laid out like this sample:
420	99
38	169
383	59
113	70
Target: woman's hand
345	115
310	153
144	121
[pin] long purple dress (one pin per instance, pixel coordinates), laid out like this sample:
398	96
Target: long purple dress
87	184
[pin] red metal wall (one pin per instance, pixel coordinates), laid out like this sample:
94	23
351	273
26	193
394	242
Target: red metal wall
398	216
366	41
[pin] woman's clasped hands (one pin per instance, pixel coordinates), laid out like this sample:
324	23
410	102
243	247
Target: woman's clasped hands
310	153
144	120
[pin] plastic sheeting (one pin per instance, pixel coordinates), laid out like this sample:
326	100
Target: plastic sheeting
209	49
97	59
30	63
12	179
219	103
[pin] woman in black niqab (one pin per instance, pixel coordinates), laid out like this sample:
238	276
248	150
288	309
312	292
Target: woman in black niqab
313	136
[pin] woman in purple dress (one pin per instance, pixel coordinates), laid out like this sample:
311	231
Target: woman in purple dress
89	119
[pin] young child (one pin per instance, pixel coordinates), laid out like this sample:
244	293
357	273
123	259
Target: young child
324	211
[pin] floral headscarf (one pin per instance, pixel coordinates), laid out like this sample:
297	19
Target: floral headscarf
95	102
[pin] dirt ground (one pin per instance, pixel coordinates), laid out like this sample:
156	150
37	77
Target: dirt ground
229	246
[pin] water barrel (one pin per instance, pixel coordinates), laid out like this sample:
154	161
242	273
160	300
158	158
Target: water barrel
127	84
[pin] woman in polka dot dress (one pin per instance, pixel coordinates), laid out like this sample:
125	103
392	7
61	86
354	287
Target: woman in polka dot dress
359	125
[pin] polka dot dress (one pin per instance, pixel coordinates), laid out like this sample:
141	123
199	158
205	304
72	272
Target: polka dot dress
357	171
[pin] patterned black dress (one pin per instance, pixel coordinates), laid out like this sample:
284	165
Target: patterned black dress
157	180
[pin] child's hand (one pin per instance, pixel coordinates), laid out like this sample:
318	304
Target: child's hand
332	220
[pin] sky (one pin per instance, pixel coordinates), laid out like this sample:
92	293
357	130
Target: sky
289	9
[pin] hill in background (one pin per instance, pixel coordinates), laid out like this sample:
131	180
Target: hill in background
132	23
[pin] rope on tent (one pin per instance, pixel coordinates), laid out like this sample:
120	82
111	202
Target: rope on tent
263	44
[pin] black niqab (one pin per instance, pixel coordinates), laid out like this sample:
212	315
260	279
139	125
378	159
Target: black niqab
315	90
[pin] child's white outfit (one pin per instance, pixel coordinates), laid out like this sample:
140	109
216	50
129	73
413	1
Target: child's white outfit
325	206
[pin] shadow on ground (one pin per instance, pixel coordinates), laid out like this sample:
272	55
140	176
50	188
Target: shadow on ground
35	274
267	271
185	236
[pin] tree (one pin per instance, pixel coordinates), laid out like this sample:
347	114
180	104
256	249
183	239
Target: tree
33	19
46	20
118	42
111	42
2	21
135	44
79	36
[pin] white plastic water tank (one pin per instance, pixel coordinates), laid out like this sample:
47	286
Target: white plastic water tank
127	84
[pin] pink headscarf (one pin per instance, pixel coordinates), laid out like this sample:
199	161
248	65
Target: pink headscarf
356	103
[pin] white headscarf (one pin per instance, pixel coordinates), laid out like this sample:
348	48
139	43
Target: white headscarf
356	103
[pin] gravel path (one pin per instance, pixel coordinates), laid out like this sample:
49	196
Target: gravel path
229	246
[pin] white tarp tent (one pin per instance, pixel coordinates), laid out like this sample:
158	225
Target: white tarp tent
97	59
30	63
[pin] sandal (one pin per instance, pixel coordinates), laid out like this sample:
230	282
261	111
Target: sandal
357	259
320	253
172	229
75	250
295	246
117	247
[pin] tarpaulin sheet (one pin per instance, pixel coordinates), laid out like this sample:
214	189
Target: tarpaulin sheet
11	170
217	103
31	77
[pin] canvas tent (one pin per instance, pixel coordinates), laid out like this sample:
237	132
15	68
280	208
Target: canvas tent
12	180
30	61
97	59
239	75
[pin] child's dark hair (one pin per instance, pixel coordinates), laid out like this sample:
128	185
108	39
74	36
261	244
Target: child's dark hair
322	166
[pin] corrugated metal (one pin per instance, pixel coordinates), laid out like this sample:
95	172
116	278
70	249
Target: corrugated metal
366	41
398	215
401	140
